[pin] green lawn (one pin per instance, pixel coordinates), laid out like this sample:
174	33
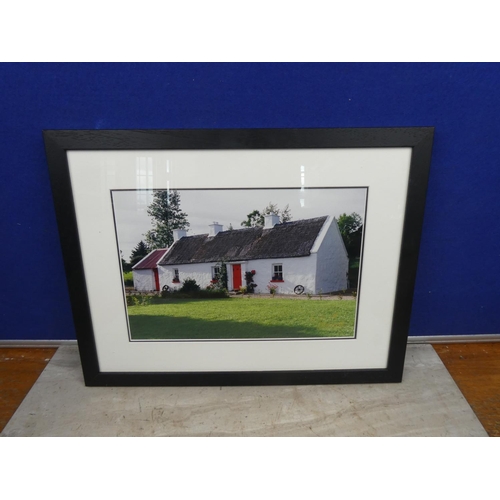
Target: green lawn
237	318
128	279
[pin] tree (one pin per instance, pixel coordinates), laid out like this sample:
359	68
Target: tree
167	215
253	219
285	214
351	229
138	253
256	218
126	267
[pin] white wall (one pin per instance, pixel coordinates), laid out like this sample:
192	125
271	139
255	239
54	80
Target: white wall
296	271
144	280
332	260
202	273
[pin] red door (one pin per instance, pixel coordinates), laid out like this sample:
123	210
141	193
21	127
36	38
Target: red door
236	276
157	280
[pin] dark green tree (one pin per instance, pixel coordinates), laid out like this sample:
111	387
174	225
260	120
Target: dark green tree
253	219
165	210
351	229
138	253
126	267
256	218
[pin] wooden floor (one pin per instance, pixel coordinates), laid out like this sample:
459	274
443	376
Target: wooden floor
475	367
19	370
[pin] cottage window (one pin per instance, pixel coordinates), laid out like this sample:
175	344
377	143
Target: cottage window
176	275
215	273
277	272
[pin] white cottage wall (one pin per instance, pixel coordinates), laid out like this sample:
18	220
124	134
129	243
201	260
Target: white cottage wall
144	280
296	271
202	273
332	261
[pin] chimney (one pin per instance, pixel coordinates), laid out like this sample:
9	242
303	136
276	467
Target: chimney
271	220
179	233
214	229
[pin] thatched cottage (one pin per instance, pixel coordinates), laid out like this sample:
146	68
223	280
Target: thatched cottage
303	256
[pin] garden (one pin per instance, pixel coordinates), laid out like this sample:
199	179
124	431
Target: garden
240	317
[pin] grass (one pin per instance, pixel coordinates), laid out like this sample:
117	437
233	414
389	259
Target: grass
128	278
242	318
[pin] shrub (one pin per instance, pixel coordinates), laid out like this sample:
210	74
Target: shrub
211	294
139	300
250	288
220	282
208	293
189	285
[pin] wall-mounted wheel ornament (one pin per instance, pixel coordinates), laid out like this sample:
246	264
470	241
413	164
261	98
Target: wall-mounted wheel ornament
166	288
299	289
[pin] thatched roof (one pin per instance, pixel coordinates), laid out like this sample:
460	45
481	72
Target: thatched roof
291	239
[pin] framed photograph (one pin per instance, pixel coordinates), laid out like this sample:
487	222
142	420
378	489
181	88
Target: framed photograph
240	257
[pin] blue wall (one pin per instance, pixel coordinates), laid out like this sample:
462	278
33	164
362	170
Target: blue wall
459	267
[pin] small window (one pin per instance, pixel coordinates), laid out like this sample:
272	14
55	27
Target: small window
277	272
215	273
176	275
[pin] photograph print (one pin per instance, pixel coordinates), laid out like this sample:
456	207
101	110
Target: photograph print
211	264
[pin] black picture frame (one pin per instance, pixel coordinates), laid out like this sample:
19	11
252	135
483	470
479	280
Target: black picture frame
59	142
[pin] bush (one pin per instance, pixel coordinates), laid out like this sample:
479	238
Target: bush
139	300
249	281
208	293
189	285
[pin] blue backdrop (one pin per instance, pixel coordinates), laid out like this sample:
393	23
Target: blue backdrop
456	289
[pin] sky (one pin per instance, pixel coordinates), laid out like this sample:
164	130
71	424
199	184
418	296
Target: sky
229	206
